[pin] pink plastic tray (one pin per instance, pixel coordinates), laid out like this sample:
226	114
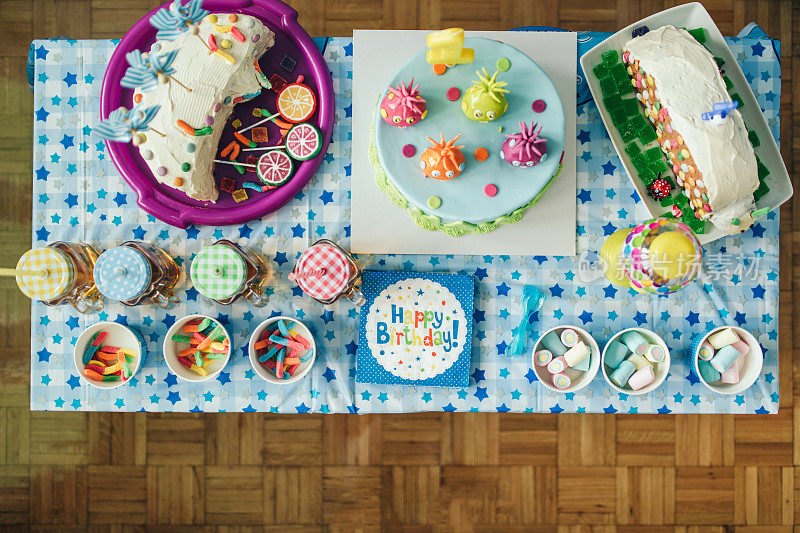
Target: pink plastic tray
173	206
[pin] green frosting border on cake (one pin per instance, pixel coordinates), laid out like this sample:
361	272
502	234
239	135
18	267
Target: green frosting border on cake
434	223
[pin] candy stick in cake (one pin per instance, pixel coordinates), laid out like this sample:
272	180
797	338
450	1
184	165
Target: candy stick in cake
125	126
251	126
262	148
147	70
179	17
234	163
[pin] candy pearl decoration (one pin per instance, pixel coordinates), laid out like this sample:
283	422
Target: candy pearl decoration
209	120
191	148
249	23
161	171
256	37
225	43
147	154
217	107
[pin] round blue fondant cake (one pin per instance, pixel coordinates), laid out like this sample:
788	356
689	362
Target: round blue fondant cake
511	110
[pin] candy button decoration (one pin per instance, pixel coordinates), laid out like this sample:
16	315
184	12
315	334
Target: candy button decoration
322	271
218	272
50	274
122	273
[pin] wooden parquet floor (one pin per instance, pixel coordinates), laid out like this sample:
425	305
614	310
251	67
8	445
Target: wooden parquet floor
416	473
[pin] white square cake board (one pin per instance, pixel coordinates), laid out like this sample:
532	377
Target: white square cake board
380	227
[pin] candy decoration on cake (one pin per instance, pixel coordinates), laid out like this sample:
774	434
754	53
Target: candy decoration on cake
296	102
442	160
275	168
179	17
403	105
447	48
713	160
485	100
147	70
660	188
125	126
303	142
525	148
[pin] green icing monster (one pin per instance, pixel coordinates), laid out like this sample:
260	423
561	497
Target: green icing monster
485	100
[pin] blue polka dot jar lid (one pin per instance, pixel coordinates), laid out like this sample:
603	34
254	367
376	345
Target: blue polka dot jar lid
122	273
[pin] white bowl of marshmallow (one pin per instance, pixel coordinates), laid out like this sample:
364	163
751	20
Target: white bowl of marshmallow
635	361
566	358
728	359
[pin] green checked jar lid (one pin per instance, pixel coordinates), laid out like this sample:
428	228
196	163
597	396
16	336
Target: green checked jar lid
218	271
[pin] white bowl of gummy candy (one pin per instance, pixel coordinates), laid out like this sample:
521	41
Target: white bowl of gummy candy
728	359
635	361
566	358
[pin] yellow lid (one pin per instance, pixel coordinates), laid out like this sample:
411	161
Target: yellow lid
609	256
50	273
672	254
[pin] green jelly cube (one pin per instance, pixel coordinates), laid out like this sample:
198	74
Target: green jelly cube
699	226
628	131
763	171
653	154
737	98
668	179
719	61
754	140
659	167
620	73
728	83
668	201
682	201
647	135
625	87
647	176
638	122
640	162
617	116
601	71
762	190
608	86
699	34
610	57
632	149
612	102
631	106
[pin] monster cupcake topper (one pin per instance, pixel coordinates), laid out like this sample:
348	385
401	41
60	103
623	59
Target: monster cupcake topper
403	106
442	160
486	99
525	148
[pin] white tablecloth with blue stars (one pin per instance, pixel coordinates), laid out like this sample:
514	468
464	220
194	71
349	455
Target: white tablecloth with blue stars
79	196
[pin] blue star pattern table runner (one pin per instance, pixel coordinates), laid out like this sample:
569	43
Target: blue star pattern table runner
79	196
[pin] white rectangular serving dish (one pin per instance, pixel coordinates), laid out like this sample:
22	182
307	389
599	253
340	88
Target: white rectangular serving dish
692	16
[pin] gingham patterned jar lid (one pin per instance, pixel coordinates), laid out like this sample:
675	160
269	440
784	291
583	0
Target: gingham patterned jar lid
122	273
322	271
54	275
218	271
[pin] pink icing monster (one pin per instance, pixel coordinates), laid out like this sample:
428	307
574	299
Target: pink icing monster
525	148
403	106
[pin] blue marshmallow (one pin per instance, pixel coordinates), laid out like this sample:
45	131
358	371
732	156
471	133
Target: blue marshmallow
552	342
615	354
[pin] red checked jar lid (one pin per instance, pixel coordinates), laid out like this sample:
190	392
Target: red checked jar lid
322	271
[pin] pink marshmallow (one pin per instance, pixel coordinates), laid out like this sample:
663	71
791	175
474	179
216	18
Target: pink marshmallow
732	374
742	347
642	378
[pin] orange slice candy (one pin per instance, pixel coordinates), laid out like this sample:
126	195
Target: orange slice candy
296	103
